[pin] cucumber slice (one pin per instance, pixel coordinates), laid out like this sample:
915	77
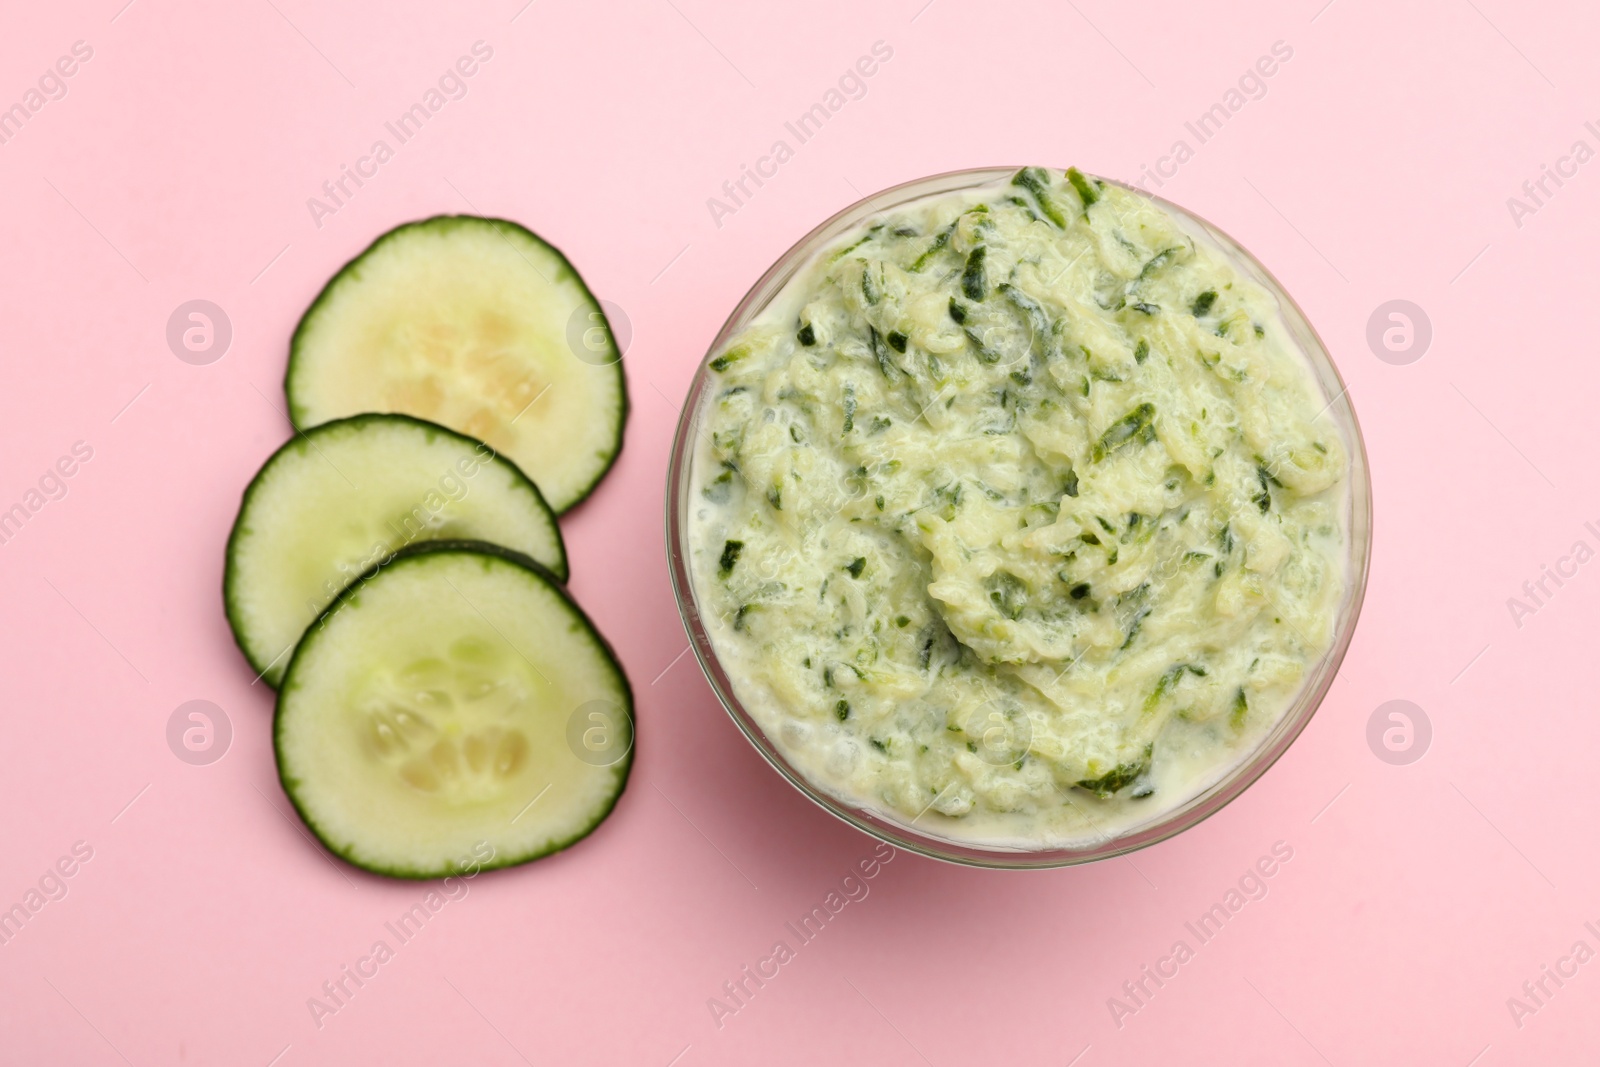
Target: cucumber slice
442	704
344	496
466	321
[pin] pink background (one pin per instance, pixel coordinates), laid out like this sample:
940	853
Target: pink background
1376	167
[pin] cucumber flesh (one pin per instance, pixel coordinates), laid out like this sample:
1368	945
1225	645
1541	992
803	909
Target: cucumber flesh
430	712
344	496
469	322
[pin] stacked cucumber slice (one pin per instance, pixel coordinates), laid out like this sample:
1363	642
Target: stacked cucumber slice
338	499
428	712
396	570
465	321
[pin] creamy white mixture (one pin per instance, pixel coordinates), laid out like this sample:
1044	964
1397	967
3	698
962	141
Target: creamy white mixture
1017	514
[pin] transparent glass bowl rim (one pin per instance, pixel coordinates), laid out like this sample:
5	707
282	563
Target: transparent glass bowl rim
900	834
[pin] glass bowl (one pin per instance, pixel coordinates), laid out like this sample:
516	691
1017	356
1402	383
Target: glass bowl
889	827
